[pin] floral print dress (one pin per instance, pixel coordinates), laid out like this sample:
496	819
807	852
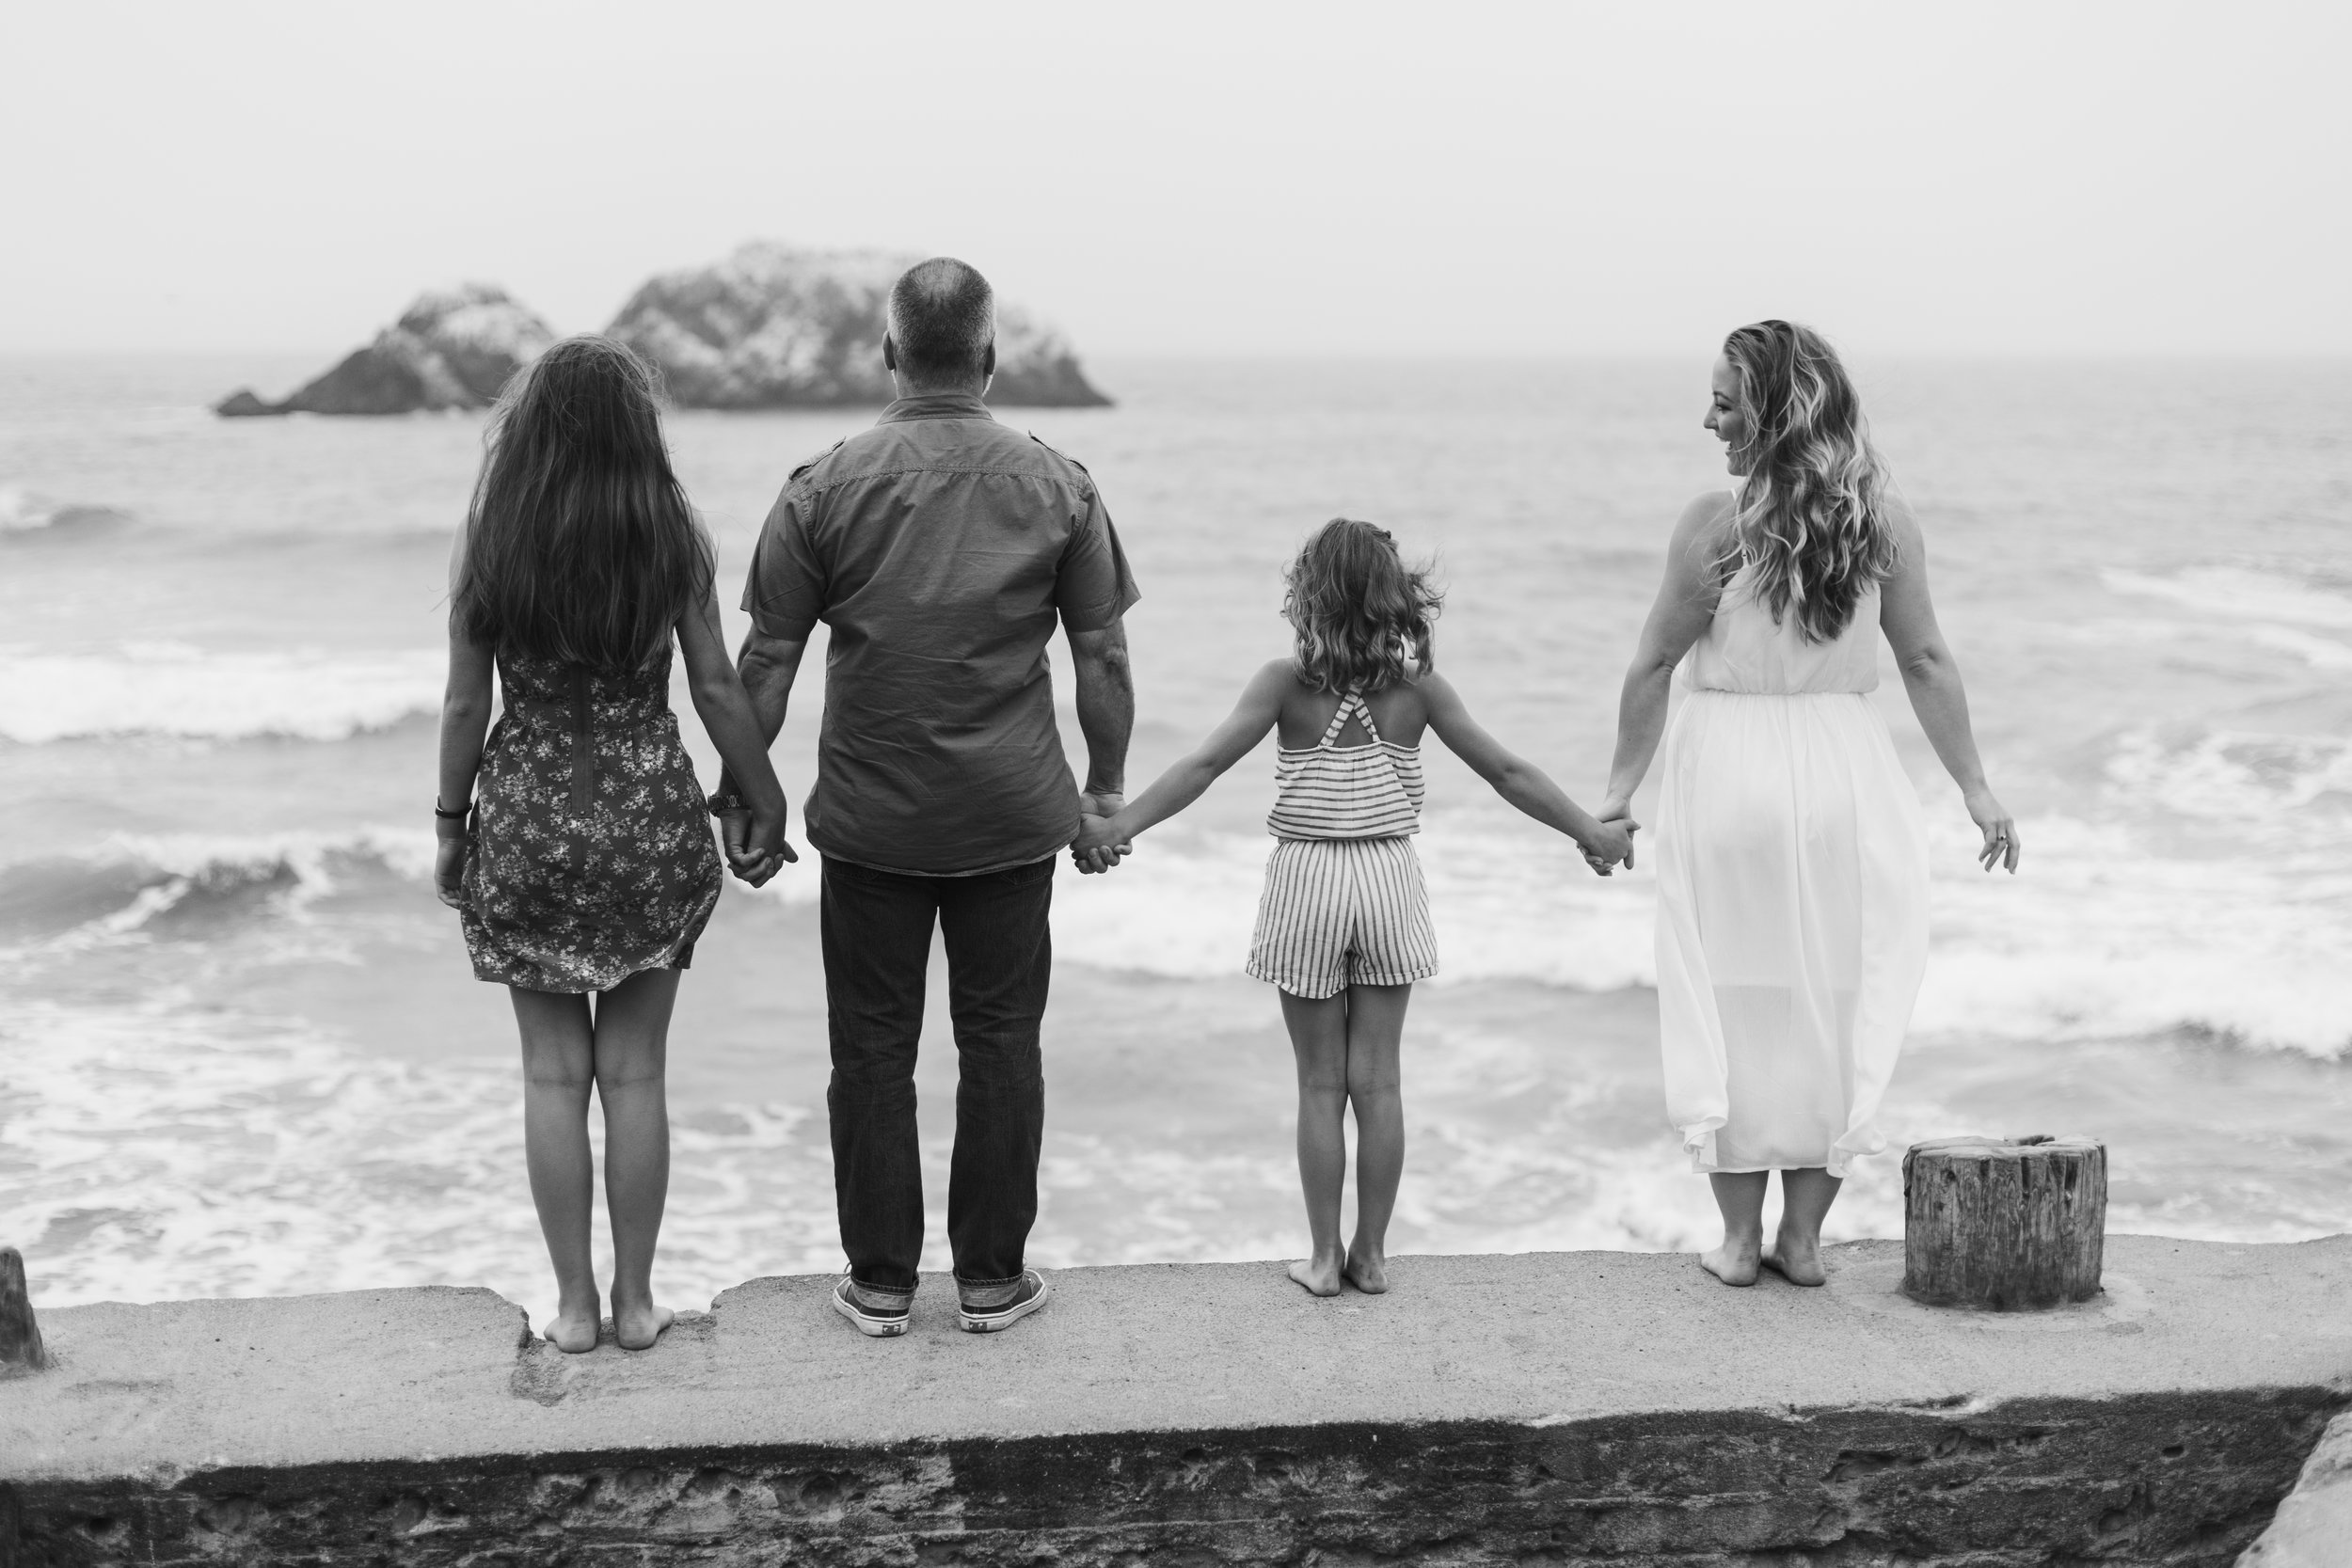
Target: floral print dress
593	856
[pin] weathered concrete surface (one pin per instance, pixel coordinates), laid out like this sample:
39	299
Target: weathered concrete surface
2313	1527
1589	1408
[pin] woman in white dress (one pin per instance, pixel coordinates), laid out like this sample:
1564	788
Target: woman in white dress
1792	920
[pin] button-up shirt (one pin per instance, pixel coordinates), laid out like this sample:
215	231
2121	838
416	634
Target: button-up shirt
939	547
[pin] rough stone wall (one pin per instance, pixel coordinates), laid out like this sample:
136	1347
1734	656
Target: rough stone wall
2312	1527
2146	1481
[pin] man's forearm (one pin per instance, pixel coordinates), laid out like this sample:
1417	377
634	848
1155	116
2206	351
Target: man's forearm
768	668
1107	719
1107	706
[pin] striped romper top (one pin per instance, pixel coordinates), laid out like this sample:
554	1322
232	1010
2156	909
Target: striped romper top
1344	903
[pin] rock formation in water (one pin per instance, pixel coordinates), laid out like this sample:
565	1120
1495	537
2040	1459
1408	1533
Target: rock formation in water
773	327
449	350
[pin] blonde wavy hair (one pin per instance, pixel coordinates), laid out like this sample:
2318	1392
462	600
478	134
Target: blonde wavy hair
1810	513
1362	617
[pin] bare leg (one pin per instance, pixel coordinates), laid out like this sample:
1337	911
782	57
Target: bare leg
559	1052
1319	1041
1805	1199
1741	1196
1376	1026
632	1040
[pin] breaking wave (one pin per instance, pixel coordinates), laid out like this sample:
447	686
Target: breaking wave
191	886
168	688
24	513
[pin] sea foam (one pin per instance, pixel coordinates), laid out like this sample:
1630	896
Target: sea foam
295	1163
170	688
2142	918
22	512
2115	926
2237	592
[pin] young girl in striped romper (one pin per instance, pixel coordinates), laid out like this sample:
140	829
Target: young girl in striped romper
1343	926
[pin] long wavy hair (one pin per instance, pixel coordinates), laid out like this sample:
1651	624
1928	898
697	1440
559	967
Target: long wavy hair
1361	615
580	544
1811	508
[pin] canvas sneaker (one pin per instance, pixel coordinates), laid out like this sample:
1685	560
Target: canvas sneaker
880	1322
1028	1294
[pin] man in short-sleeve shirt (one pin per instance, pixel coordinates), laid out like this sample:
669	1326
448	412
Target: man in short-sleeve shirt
941	550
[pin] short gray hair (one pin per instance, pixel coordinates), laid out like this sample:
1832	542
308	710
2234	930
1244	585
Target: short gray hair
943	317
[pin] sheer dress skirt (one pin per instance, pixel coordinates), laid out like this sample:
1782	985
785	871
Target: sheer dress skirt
1791	927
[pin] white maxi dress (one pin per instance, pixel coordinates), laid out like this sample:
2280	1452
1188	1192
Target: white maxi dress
1792	922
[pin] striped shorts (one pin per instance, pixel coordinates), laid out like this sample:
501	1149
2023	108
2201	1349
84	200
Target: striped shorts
1342	911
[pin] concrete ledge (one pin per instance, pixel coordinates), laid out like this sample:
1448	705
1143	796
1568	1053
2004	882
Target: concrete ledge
1590	1407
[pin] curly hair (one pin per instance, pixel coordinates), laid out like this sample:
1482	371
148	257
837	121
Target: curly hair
1361	616
1810	517
580	544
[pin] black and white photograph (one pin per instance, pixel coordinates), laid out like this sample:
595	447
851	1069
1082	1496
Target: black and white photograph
1088	787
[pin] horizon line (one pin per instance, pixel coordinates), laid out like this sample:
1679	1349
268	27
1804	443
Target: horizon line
1404	357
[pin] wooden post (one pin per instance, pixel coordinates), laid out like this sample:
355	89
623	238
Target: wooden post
20	1335
2010	1223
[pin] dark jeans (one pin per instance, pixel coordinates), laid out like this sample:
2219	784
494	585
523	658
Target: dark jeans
1000	956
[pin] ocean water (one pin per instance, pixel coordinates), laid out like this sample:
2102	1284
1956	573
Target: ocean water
240	1049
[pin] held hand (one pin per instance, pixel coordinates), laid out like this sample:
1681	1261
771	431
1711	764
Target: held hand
1097	846
1615	811
1093	850
747	863
2001	845
767	838
761	851
448	871
735	841
1096	849
1611	844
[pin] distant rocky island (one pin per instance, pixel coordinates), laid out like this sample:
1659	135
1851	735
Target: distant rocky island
449	350
769	327
773	328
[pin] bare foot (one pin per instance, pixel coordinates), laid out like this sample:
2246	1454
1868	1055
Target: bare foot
1367	1271
1733	1262
1798	1262
638	1327
1320	1278
574	1331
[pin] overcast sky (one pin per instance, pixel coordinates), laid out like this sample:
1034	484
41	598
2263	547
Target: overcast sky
1452	178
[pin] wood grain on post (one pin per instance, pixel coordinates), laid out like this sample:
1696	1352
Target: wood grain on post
2008	1224
20	1335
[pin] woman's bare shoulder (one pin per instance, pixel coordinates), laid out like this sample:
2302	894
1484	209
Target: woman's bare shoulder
1706	514
457	556
1700	530
1903	526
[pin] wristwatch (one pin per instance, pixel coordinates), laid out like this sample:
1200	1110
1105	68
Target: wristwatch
727	804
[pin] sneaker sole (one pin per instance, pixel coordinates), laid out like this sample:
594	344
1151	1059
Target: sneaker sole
989	1322
873	1328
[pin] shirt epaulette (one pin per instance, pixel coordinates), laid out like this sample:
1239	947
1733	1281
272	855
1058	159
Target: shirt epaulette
814	461
1063	455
